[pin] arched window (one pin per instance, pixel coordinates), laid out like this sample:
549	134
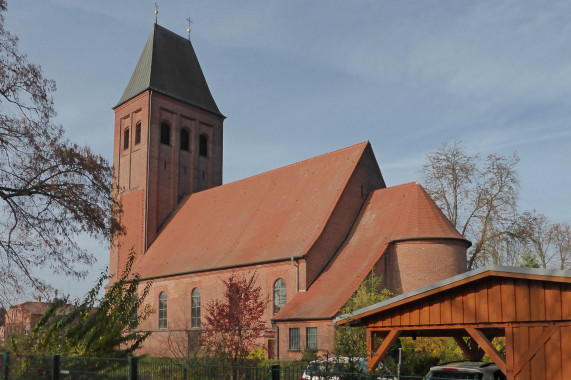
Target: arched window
163	310
203	146
195	308
165	133
126	139
280	295
184	139
138	133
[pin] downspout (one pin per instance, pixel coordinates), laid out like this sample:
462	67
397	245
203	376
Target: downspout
296	265
146	221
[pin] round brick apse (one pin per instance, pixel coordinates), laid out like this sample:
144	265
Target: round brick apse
417	263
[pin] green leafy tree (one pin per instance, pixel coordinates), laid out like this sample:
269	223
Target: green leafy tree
94	327
351	341
528	260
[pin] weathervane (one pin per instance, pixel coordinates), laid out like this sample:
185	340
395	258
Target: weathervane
188	30
156	12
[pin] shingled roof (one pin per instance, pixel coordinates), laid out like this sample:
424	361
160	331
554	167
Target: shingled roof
392	214
269	217
168	64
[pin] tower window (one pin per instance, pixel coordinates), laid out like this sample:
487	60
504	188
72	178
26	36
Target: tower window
184	139
138	133
163	311
203	145
279	295
126	139
195	308
165	133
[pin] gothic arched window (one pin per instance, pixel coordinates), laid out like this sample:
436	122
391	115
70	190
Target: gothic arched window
280	295
203	145
165	133
163	310
184	139
195	308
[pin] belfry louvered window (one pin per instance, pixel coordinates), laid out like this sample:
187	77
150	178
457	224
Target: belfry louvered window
165	133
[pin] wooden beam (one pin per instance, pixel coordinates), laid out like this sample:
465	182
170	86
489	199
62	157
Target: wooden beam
472	351
533	347
488	347
374	360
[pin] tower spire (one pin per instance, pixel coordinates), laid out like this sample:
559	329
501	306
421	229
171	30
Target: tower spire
156	12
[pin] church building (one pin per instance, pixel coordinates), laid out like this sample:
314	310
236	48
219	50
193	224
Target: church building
311	231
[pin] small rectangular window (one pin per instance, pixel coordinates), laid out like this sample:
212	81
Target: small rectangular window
294	339
138	133
311	338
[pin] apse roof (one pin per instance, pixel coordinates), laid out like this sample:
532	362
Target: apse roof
392	214
168	64
269	217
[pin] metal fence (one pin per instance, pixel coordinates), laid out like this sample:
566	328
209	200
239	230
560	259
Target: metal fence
54	367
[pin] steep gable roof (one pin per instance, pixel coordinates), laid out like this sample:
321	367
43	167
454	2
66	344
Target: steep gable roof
391	214
269	217
168	64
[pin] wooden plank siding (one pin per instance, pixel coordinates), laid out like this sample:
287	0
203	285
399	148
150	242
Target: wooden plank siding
500	301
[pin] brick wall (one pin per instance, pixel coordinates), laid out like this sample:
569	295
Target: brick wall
325	337
179	289
409	265
365	178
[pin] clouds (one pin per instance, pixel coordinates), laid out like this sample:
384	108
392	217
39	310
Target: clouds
298	78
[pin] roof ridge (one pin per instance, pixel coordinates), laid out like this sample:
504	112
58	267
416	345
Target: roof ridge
364	143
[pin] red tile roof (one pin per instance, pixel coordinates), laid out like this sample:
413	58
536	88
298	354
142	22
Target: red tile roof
390	214
269	217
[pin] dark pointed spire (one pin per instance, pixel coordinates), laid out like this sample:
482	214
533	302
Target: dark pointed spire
168	64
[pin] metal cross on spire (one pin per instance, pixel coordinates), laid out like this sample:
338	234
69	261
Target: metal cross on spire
156	12
188	30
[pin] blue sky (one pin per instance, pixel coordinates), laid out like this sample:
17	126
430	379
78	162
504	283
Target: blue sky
300	78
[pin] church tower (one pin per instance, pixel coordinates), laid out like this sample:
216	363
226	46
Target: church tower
168	140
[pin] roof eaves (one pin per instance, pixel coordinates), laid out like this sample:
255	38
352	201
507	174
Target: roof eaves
221	268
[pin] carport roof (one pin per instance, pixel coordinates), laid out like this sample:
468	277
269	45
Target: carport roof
464	278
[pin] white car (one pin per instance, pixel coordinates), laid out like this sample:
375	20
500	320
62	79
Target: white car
332	368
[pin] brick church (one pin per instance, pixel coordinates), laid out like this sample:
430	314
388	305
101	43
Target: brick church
312	231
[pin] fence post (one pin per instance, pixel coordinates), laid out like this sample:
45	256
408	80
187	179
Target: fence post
55	367
133	368
275	372
6	365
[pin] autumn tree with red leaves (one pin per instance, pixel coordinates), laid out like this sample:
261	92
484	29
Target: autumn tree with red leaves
51	190
234	323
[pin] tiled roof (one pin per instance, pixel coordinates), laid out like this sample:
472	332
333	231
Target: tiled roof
34	307
272	216
390	214
168	64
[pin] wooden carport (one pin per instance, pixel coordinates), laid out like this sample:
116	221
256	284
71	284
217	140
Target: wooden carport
531	308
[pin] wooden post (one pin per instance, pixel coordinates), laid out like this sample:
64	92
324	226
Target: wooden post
374	360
